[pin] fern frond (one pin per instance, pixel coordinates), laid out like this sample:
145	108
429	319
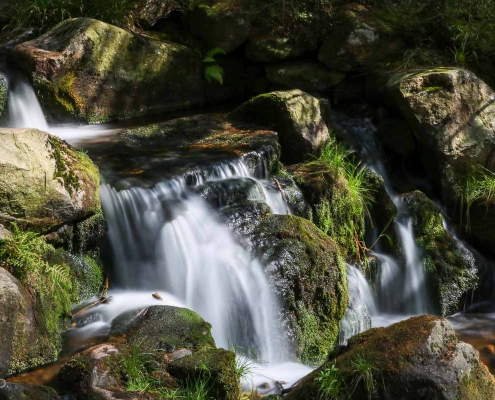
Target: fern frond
214	72
216	51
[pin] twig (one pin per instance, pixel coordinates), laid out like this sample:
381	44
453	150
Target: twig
283	195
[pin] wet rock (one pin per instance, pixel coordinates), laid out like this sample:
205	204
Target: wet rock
3	97
420	358
18	391
396	135
450	268
355	43
164	327
96	72
295	115
26	343
304	75
244	218
292	195
216	366
219	25
43	181
306	271
231	192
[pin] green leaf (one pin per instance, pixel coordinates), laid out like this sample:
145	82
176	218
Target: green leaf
214	72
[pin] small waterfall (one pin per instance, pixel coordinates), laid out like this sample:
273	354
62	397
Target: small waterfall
167	239
361	306
24	108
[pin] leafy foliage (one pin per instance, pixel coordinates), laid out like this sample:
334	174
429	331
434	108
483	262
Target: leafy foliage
331	384
364	372
213	71
479	187
28	257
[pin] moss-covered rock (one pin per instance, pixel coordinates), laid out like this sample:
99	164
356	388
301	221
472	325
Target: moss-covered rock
295	115
219	23
3	97
216	366
26	342
334	210
190	145
148	12
19	391
420	358
43	181
304	75
355	43
307	272
164	327
96	72
451	270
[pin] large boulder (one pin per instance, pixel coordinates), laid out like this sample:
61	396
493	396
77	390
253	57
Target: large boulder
96	72
304	75
450	269
420	358
219	24
295	115
355	43
26	343
307	272
452	114
43	181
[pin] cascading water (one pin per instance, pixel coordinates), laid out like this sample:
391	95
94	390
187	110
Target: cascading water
400	290
24	108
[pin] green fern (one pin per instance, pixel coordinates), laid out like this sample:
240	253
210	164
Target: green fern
214	72
212	53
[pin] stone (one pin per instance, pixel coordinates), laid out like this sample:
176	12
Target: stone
419	358
356	43
95	72
451	272
231	192
20	391
307	273
309	76
4	90
148	12
295	115
44	182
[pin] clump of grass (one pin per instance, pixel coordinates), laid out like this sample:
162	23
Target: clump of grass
364	372
479	187
343	216
331	384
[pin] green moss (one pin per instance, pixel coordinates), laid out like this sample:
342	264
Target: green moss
307	269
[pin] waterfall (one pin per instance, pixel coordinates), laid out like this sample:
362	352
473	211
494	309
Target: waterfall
24	108
361	307
167	239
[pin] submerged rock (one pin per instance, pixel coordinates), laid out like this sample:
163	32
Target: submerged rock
295	115
43	181
450	268
96	72
420	358
306	271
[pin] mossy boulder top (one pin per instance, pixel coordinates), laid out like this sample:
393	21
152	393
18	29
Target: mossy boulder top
307	272
419	358
189	146
96	72
296	116
450	269
453	116
43	181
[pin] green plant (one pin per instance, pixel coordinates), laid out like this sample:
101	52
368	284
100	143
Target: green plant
364	372
135	363
331	384
479	187
461	55
30	259
213	71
